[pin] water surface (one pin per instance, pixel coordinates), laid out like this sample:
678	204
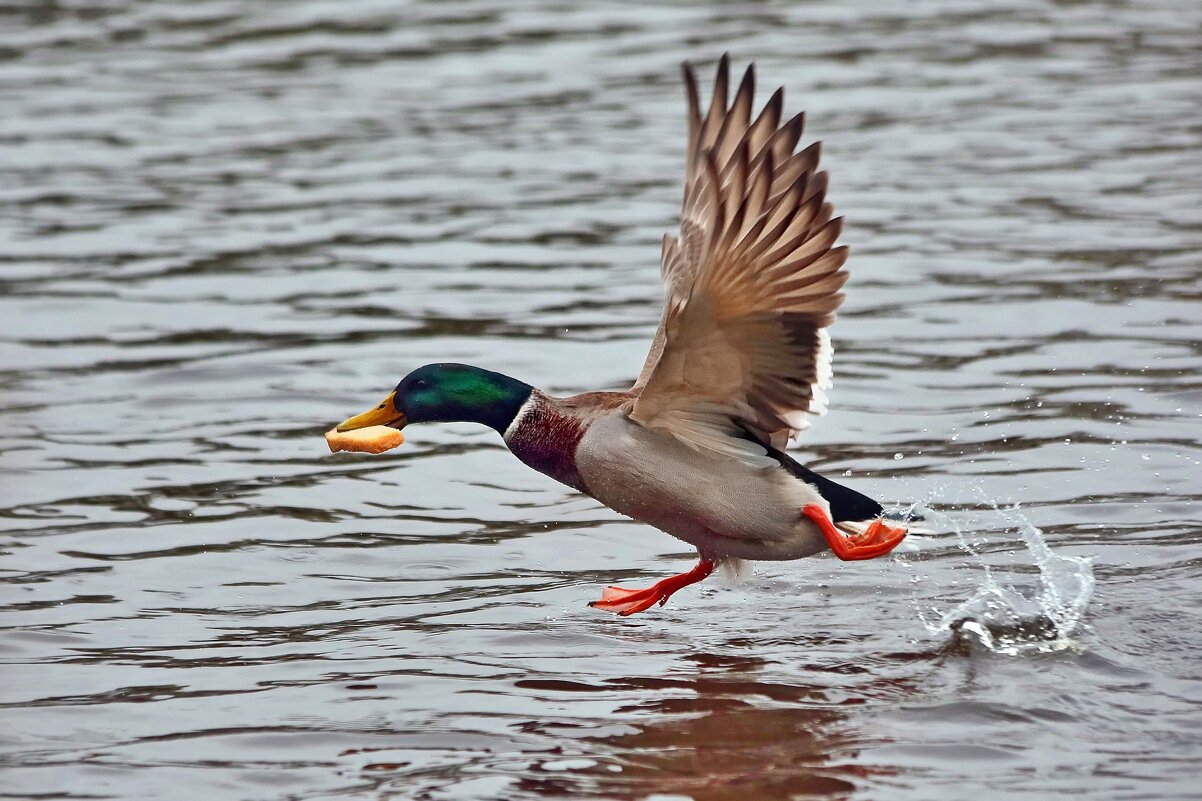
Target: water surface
224	226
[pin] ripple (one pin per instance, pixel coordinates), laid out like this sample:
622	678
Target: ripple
228	226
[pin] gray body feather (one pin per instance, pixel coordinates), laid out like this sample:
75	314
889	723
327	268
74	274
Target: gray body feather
721	505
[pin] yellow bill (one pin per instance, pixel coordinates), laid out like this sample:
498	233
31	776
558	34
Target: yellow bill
375	431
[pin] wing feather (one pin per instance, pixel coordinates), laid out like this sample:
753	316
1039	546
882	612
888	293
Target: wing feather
751	283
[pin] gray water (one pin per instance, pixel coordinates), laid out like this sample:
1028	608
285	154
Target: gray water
225	226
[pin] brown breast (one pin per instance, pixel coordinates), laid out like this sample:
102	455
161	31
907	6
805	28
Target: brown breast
547	433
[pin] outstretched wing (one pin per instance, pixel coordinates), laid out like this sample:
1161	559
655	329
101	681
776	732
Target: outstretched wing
751	283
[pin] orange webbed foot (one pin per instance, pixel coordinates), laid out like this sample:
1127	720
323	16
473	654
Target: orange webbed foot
627	602
876	540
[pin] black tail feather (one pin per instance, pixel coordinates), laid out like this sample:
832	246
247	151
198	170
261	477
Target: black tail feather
846	503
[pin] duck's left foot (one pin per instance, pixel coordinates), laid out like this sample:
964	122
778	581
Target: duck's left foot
627	602
877	540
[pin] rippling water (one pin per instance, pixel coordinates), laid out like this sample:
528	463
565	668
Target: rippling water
225	225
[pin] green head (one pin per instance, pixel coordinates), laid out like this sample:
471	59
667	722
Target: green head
448	393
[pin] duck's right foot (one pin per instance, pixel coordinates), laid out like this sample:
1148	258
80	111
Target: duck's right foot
627	602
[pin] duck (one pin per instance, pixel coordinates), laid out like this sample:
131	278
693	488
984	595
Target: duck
740	362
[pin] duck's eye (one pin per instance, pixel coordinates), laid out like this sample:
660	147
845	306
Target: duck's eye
421	383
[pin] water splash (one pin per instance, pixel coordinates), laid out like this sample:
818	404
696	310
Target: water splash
1005	619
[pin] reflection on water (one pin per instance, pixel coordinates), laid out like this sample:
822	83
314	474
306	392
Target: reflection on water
226	225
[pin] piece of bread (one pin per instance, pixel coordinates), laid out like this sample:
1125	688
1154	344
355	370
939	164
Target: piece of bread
373	439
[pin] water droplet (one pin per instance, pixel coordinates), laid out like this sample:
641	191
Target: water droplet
897	457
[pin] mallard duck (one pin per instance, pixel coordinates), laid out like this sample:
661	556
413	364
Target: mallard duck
740	360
